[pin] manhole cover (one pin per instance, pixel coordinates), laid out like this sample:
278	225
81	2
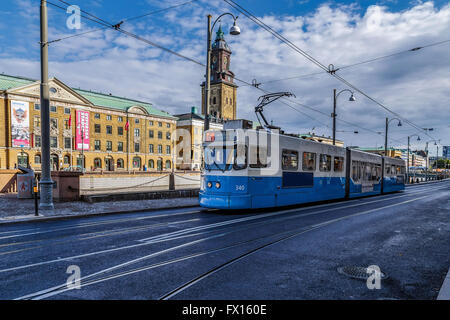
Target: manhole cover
359	272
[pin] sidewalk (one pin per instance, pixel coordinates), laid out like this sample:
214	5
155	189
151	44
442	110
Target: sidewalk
15	210
444	293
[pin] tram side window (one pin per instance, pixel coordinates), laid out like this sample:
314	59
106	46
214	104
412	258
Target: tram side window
338	164
324	162
309	161
356	171
399	169
258	157
388	169
290	160
392	169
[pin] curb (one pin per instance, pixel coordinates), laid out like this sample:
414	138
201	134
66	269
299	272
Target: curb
87	215
428	182
444	293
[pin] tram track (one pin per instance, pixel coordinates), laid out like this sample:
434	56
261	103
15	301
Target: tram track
282	236
274	217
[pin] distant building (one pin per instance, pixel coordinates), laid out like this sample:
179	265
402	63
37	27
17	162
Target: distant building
446	152
322	139
97	130
391	152
193	123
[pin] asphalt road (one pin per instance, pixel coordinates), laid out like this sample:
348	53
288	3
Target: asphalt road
194	253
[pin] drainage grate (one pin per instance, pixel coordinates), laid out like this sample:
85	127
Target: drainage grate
358	272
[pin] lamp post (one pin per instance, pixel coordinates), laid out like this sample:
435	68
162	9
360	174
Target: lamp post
234	30
427	161
386	133
407	164
333	115
46	183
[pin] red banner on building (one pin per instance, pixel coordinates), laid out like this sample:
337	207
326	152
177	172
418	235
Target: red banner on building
82	130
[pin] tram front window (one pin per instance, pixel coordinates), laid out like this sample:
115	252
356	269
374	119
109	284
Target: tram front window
224	159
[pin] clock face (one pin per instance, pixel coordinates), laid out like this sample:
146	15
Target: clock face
214	59
225	61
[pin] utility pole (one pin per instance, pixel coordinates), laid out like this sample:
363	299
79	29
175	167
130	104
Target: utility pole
334	117
208	76
46	183
385	137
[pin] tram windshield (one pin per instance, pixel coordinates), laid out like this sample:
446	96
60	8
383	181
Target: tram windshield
224	159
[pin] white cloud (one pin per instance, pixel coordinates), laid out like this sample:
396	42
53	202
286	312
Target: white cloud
414	84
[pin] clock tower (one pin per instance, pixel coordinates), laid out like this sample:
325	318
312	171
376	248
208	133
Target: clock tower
222	95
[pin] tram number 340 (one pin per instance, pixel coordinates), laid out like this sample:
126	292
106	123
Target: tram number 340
246	309
240	187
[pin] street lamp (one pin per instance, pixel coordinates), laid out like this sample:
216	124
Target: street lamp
333	115
234	30
407	164
426	152
386	133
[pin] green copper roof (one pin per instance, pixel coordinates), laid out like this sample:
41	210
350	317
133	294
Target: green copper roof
219	33
98	99
9	82
113	102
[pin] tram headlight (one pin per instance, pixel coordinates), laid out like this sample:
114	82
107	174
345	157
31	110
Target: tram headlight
209	184
217	185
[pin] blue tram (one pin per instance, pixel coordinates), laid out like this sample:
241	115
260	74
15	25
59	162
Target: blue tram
248	169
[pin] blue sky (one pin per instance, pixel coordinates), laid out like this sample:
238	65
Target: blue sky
339	32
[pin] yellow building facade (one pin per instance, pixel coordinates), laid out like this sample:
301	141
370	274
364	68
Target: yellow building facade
120	133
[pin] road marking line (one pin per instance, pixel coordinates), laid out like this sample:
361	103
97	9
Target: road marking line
47	292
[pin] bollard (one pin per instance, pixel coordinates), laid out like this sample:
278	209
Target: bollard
36	206
171	181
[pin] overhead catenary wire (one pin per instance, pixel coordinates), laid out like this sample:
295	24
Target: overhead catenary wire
359	63
118	28
127	19
261	24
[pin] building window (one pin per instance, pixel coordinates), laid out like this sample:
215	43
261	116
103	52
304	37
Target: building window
151	164
325	162
168	135
136	147
37	141
108	117
150	123
167	149
168	125
67	143
120	131
97	145
160	149
37	159
97	116
54	142
97	128
66	124
53	108
119	146
97	163
309	161
37	122
66	159
80	161
136	121
108	145
168	164
120	164
67	110
159	134
136	162
290	160
136	132
150	134
120	119
159	124
37	106
108	129
53	123
150	148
